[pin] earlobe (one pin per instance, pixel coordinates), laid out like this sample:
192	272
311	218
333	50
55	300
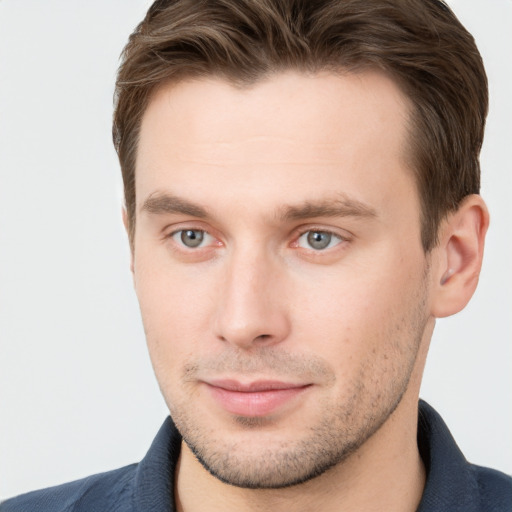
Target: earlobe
460	253
126	227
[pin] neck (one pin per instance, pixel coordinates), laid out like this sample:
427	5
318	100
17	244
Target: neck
386	473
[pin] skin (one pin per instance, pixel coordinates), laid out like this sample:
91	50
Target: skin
259	173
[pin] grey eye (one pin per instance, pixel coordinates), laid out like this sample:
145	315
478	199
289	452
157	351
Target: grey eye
319	239
191	237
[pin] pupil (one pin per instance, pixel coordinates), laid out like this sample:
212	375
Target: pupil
192	238
319	240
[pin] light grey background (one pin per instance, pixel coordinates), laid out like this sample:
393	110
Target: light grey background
77	394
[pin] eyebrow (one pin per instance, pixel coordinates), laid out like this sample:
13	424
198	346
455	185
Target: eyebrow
160	204
341	207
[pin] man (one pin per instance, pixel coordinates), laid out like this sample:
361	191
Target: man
301	184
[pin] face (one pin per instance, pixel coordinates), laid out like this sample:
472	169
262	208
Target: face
279	268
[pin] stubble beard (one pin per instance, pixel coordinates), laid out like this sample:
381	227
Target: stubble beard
344	425
340	432
285	466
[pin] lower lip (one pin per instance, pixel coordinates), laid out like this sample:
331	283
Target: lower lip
254	403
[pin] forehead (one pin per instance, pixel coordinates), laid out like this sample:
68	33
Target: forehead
290	127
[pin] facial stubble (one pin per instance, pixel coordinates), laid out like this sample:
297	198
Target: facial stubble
342	429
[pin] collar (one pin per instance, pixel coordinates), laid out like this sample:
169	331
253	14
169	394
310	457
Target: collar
451	481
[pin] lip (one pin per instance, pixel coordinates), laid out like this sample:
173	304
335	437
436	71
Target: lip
255	399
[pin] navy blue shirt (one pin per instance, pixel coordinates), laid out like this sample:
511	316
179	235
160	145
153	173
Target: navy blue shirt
452	483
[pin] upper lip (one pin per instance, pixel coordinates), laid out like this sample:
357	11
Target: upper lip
253	387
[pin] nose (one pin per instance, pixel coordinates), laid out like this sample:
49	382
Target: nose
252	309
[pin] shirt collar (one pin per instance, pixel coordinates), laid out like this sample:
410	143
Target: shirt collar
154	478
451	483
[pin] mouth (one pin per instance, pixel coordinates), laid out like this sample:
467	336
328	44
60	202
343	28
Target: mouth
255	399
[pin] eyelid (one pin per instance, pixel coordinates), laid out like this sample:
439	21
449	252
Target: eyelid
340	233
195	225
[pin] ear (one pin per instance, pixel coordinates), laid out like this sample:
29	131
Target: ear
459	256
126	227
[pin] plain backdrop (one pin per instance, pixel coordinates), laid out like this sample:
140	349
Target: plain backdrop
77	393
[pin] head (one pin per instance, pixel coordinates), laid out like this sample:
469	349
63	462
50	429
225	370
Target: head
299	182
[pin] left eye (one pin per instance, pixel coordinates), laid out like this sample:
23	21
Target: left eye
192	238
318	240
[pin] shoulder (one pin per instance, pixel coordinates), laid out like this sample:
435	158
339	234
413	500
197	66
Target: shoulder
452	482
495	489
110	491
138	487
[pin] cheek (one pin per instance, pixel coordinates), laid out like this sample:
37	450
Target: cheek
176	312
357	317
343	302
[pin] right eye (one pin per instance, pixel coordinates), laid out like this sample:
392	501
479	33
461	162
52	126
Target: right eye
192	238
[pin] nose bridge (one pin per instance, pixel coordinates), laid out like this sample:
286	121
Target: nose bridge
249	310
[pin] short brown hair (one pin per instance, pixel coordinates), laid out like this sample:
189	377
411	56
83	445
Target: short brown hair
418	43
